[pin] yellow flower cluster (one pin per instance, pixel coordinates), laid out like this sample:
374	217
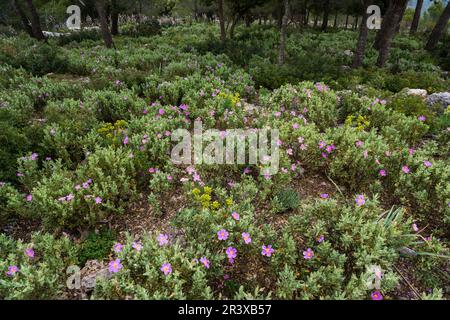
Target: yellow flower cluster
205	199
233	98
360	123
109	130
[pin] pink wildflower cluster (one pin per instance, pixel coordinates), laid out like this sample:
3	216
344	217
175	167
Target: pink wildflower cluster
194	174
321	87
326	149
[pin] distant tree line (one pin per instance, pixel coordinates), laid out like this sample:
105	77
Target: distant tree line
319	14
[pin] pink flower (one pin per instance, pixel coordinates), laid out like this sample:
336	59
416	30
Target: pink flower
118	247
415	227
29	198
190	170
125	140
231	252
267	250
29	252
205	262
411	151
359	143
246	237
163	239
295	126
405	169
115	266
308	254
98	200
222	235
161	111
320	239
382	173
289	151
235	216
422	118
376	295
12	270
427	164
137	246
324	195
360	200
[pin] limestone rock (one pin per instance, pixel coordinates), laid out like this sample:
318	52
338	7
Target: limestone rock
417	92
92	271
440	100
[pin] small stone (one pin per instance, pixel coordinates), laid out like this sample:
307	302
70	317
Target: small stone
417	92
348	53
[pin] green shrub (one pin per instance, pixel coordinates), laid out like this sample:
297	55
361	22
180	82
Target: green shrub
42	276
287	199
96	246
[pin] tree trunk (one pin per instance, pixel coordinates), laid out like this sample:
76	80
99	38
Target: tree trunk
316	20
223	33
305	13
416	19
326	13
233	26
107	38
439	29
306	22
23	18
399	23
248	19
355	23
282	52
362	40
388	35
114	18
335	20
35	22
387	19
346	21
